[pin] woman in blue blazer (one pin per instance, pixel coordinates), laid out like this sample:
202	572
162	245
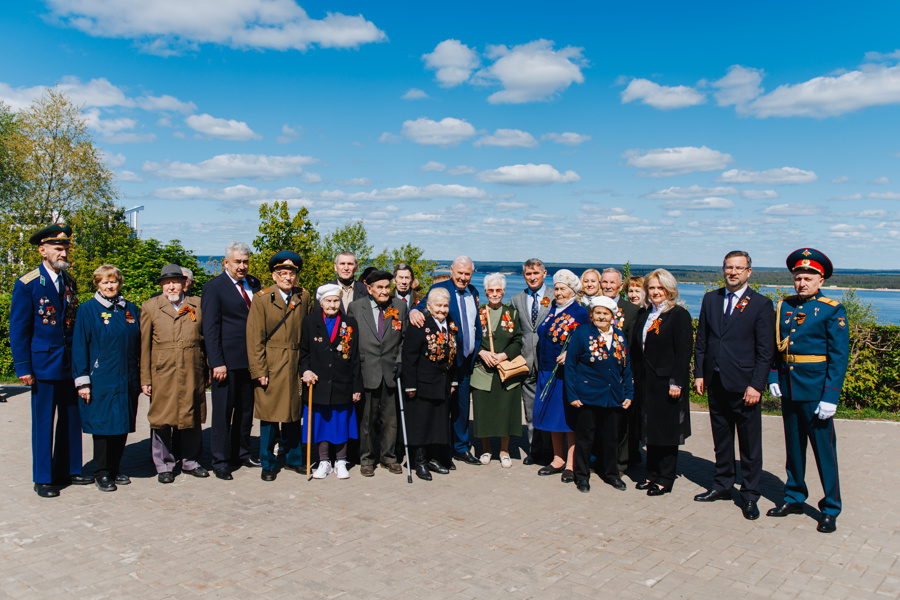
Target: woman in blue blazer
599	386
106	365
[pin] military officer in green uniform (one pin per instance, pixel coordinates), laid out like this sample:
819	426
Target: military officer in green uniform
813	341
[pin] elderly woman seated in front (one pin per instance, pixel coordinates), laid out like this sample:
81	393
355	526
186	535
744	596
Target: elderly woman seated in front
599	386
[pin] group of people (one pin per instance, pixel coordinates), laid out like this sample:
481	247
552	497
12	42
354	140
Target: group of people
370	369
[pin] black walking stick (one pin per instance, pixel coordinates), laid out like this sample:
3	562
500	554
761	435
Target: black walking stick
403	427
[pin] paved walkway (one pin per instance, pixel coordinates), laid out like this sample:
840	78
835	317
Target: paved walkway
480	532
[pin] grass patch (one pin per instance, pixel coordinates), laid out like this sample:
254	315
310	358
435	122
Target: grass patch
772	406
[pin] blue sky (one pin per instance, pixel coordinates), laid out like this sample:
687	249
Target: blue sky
583	132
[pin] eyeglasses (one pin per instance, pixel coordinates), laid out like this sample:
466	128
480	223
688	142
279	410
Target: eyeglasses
734	269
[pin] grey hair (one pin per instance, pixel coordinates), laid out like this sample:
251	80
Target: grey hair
438	291
499	278
533	263
345	253
188	273
614	270
236	248
462	260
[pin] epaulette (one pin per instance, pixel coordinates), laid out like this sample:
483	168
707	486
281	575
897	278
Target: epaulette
30	276
828	301
260	292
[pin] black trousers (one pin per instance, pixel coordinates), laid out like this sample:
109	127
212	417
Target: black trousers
629	437
108	451
380	405
232	418
600	424
727	414
662	463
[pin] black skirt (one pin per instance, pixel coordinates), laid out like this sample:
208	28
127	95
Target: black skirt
427	420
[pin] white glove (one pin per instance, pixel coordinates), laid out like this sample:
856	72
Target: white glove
826	410
775	390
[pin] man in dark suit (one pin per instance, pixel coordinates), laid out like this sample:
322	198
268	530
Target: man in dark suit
732	357
404	281
611	284
463	312
345	268
225	305
41	324
533	305
382	323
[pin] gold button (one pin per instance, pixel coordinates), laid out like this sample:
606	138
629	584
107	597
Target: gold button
800	307
793	330
792	368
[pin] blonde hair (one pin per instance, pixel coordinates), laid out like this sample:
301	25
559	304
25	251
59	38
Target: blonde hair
668	283
103	271
440	278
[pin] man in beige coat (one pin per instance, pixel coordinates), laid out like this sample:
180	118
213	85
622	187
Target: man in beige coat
273	349
174	375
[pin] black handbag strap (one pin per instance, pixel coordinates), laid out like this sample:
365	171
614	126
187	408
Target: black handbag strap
290	309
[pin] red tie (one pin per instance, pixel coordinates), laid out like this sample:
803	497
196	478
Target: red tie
240	285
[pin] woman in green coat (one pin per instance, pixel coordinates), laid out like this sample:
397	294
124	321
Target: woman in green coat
497	404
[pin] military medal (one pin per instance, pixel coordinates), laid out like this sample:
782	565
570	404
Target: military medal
105	316
130	319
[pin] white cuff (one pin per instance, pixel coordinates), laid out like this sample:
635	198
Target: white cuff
83	380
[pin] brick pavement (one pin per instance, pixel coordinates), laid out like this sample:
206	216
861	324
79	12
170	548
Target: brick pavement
480	532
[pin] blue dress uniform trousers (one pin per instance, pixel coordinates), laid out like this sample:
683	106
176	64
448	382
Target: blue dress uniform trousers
801	424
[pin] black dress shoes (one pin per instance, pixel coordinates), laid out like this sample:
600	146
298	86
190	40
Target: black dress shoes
657	490
467	458
299	469
267	475
827	524
81	479
616	482
582	485
105	483
435	466
568	476
223	474
785	509
550	470
643	485
45	490
713	495
167	477
528	461
198	472
422	472
122	479
251	463
750	510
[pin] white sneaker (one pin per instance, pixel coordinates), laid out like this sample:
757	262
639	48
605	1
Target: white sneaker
323	469
485	458
340	468
505	461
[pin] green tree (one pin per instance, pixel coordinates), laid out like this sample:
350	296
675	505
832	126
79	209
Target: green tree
352	237
279	231
411	255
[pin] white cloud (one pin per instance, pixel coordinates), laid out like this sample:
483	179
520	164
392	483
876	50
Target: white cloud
288	134
661	96
453	61
759	194
411	192
432	166
782	176
792	210
225	129
414	94
567	138
116	131
310	178
232	166
841	179
508	138
113	161
694	191
356	181
666	162
389	138
850	197
461	170
529	174
446	132
881	181
129	176
711	203
165	103
739	86
95	93
884	196
168	27
531	72
502	207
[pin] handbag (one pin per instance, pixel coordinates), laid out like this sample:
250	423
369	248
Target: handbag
508	368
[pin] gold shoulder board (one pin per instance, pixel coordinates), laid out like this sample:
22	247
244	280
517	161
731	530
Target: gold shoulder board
829	301
260	292
30	276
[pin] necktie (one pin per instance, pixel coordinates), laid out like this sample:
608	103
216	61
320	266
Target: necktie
729	305
380	322
240	285
465	321
534	308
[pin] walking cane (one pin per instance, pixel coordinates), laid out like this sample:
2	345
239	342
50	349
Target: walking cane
403	427
309	436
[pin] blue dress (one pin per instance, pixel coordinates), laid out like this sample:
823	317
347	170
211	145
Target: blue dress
551	410
107	348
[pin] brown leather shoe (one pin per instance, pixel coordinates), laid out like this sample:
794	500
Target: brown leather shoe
367	470
394	468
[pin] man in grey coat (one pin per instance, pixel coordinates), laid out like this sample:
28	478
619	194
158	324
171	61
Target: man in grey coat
533	305
382	322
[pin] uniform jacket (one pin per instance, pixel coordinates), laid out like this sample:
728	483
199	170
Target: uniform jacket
529	331
664	360
741	346
225	321
379	358
41	325
336	363
279	358
429	364
553	332
106	352
507	336
173	362
817	326
597	375
465	366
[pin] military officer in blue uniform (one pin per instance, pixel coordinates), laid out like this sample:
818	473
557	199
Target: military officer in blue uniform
42	320
812	335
